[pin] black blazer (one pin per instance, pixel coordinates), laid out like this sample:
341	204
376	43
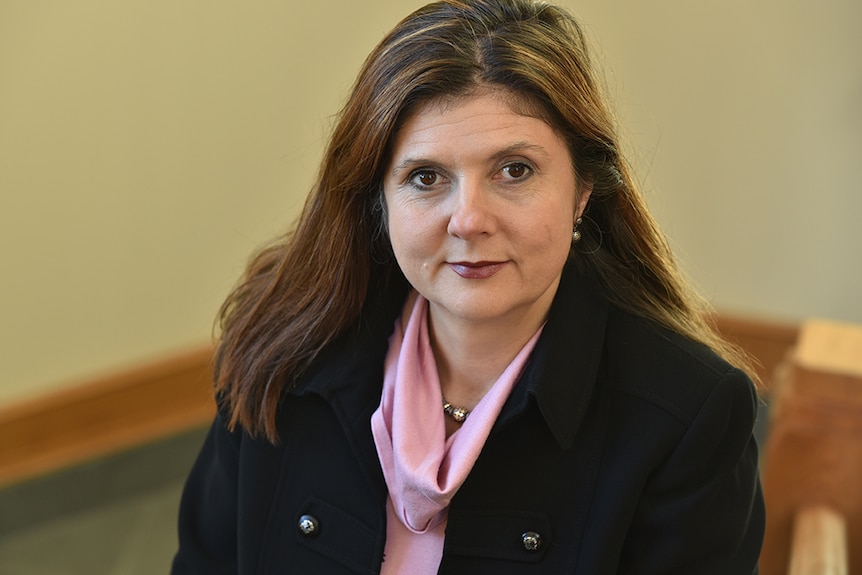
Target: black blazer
624	448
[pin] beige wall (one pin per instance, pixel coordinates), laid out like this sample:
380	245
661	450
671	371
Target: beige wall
147	147
747	121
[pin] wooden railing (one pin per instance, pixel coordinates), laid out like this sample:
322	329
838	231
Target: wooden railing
107	415
819	545
812	474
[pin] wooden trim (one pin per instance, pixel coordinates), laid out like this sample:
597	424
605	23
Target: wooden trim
174	395
104	416
819	542
813	456
768	342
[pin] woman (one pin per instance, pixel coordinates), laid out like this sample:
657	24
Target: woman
475	353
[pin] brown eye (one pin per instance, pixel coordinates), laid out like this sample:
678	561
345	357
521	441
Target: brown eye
425	178
516	171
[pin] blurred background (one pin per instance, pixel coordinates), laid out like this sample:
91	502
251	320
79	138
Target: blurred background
146	148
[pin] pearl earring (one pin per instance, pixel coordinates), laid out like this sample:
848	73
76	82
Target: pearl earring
576	233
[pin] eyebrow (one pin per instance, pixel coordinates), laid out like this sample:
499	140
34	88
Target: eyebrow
520	147
514	148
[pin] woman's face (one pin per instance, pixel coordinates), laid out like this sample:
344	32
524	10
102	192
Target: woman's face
481	203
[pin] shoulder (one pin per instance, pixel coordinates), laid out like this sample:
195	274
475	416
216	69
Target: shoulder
667	370
593	352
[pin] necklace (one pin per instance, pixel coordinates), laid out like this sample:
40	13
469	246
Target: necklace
457	414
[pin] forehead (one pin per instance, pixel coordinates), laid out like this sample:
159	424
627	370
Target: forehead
477	118
519	103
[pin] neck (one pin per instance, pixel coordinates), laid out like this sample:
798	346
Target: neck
471	356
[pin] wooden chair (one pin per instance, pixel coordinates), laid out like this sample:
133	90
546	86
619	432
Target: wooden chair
812	476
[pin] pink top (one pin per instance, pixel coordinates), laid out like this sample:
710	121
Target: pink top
423	469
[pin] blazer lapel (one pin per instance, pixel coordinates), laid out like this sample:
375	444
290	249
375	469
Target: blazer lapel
564	367
349	376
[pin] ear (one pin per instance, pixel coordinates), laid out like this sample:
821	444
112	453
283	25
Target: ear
582	198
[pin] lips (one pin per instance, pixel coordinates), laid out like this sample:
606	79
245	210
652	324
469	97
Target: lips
476	270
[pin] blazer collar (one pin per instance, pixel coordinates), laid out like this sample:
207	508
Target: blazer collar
349	376
560	375
564	367
350	370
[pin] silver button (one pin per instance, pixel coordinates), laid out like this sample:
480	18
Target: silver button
308	525
531	540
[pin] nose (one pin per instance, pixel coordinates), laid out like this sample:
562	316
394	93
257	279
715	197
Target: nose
472	212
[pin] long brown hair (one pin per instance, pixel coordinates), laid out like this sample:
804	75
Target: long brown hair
303	291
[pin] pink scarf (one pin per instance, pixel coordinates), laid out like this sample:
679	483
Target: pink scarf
423	469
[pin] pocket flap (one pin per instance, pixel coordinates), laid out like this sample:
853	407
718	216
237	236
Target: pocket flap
507	535
338	535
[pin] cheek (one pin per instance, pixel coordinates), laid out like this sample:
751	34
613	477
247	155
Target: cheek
564	223
559	242
553	229
550	240
399	248
407	235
